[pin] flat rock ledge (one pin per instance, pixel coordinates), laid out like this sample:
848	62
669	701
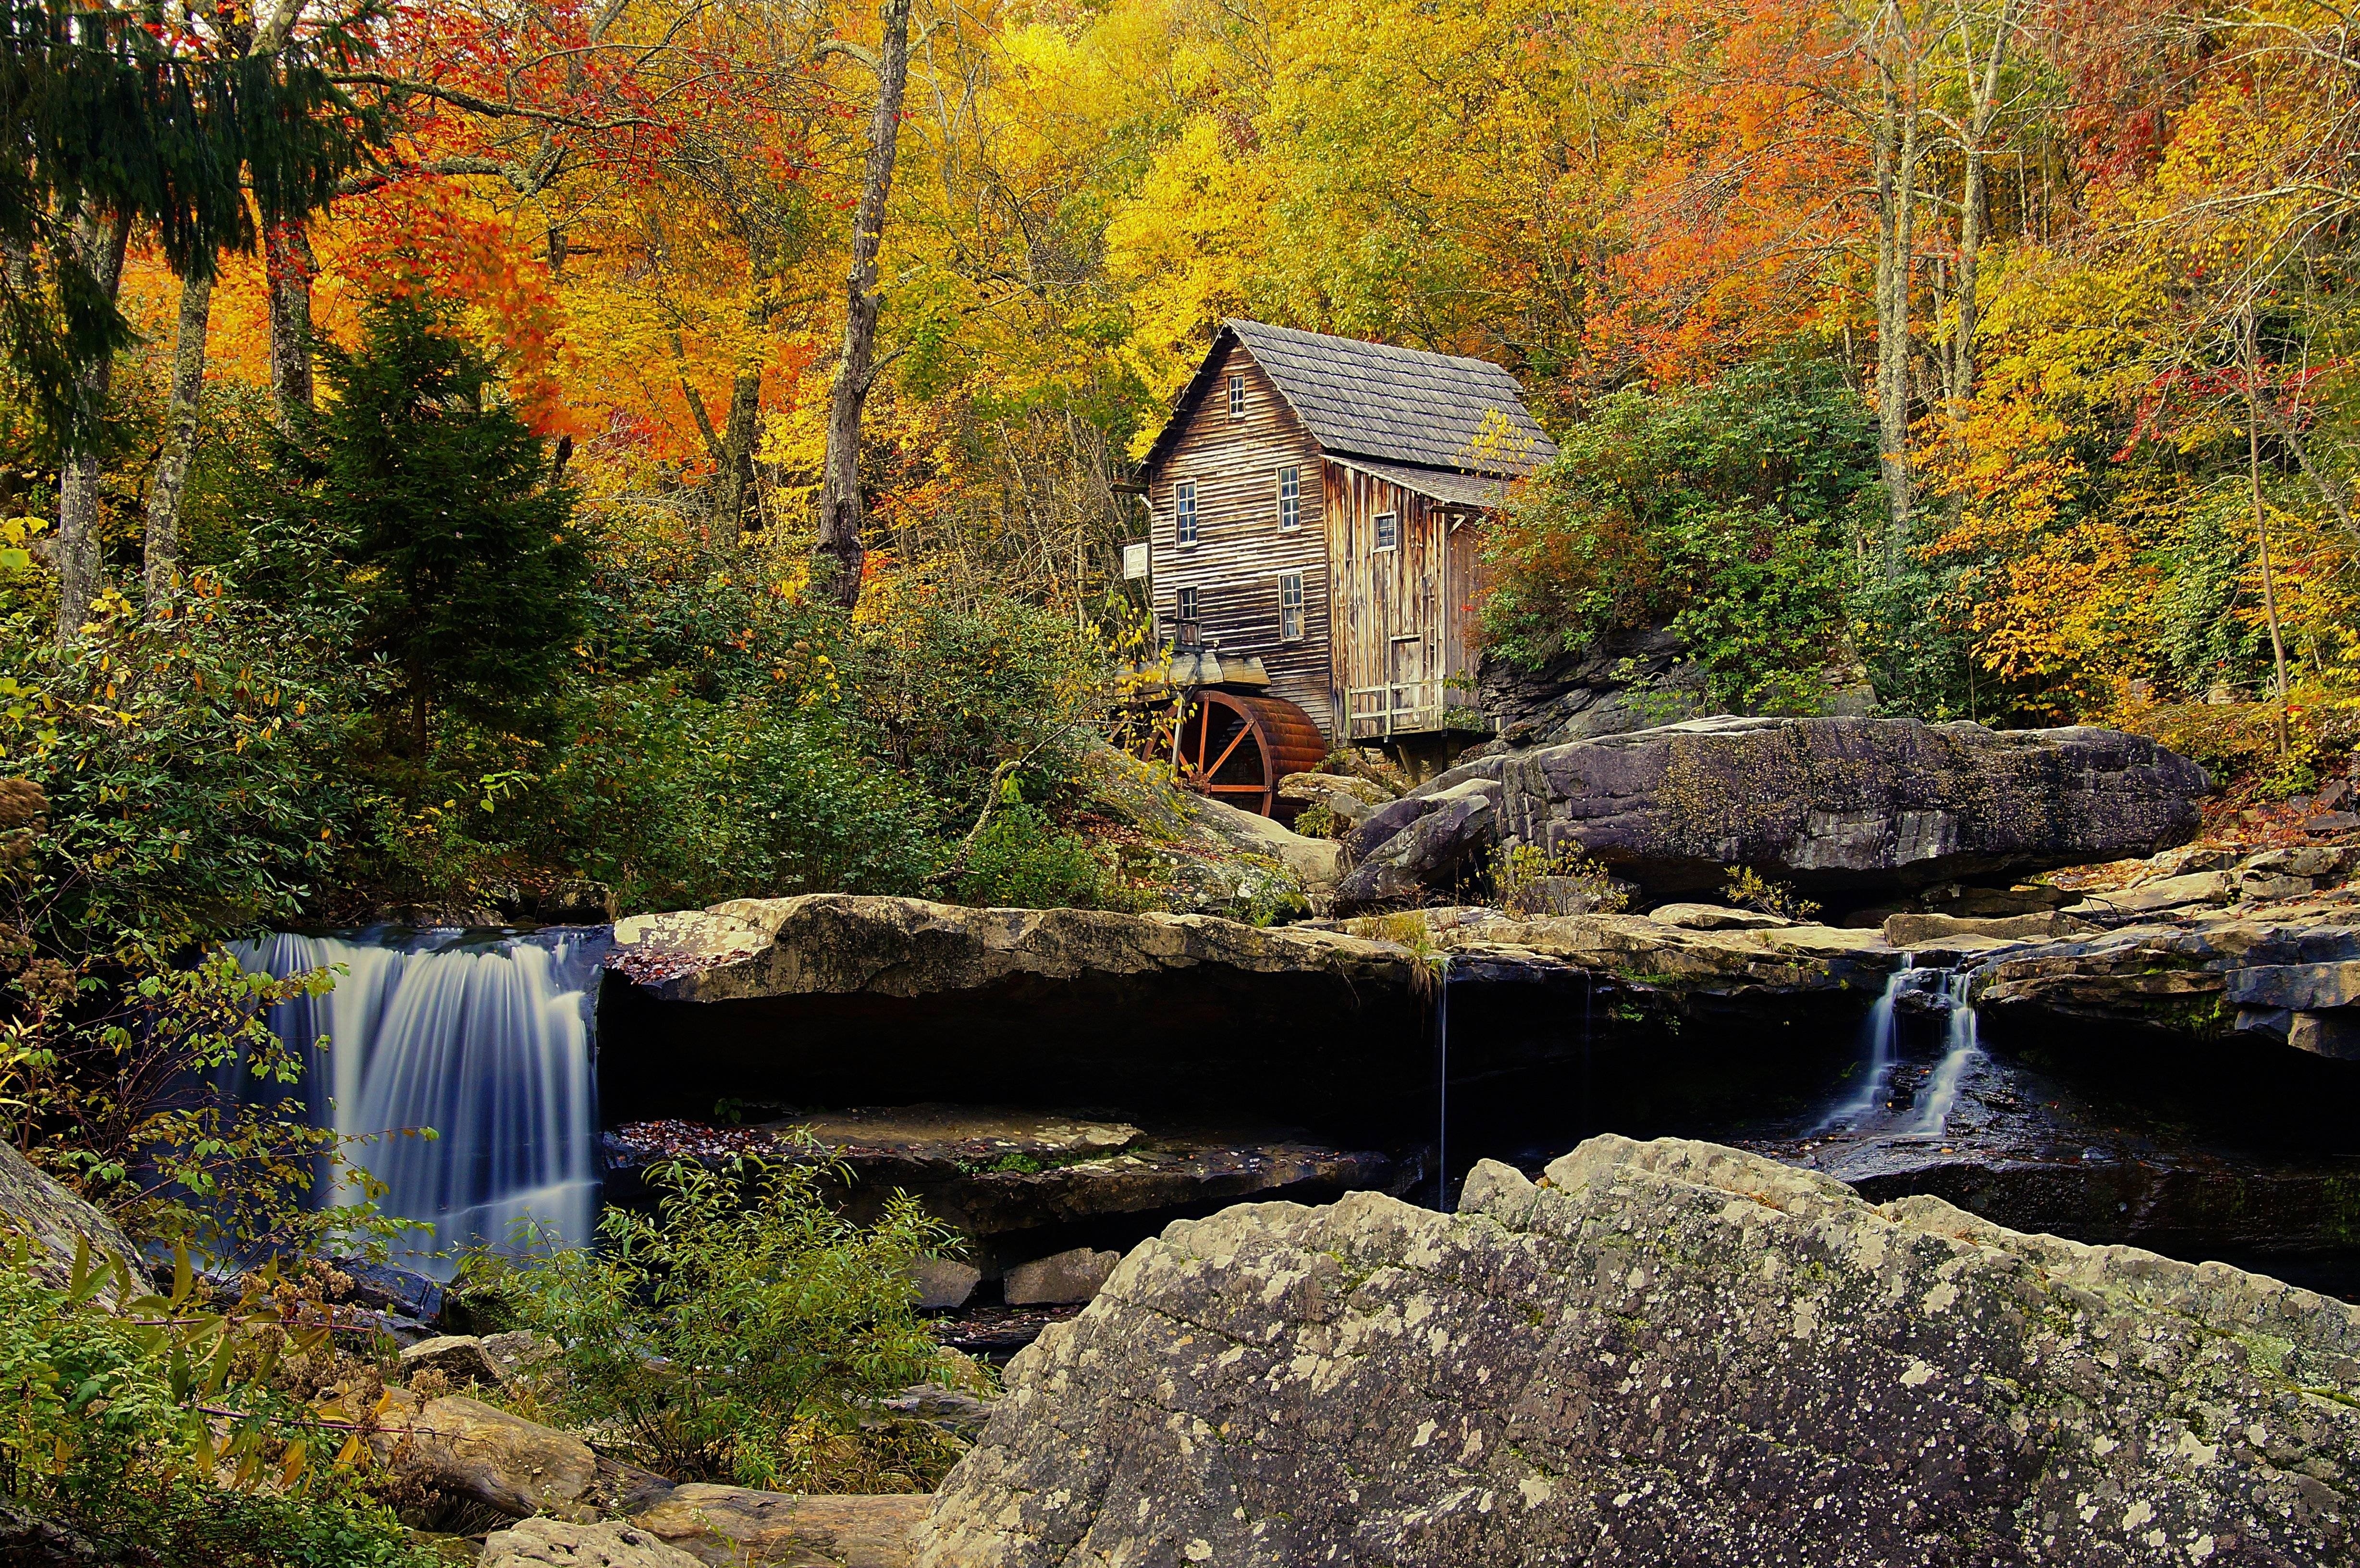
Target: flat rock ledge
844	945
1663	1353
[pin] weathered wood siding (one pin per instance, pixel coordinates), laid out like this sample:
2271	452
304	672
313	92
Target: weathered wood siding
1240	551
1403	618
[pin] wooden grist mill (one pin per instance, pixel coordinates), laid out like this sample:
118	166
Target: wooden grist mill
1235	746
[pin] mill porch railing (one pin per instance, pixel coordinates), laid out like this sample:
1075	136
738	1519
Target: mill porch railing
1411	707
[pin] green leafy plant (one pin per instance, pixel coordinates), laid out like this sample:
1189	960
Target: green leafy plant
172	1428
1318	820
1749	889
742	1332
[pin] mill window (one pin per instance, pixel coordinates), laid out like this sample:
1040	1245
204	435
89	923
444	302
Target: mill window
1290	608
1183	510
1388	530
1289	498
1186	616
1237	396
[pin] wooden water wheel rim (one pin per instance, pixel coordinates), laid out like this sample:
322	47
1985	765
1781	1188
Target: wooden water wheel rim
1283	738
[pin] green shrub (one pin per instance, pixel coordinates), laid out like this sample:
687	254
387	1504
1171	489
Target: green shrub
1023	860
1728	511
172	1430
1529	881
740	1334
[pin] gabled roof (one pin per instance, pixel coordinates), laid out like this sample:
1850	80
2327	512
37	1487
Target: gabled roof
1373	400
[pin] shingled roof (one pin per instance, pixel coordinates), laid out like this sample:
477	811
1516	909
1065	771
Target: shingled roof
1373	400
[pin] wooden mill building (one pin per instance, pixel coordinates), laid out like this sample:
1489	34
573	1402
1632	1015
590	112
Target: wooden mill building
1314	503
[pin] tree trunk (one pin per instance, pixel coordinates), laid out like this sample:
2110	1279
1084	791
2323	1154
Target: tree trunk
838	556
1970	243
733	485
2261	519
1896	177
102	242
171	475
286	255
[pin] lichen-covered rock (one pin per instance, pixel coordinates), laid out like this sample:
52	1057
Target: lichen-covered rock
564	1543
460	1358
1666	1353
733	1527
57	1222
1836	806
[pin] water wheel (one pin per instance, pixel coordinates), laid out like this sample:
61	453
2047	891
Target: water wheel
1236	748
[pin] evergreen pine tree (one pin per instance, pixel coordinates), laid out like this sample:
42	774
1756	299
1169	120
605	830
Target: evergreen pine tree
456	532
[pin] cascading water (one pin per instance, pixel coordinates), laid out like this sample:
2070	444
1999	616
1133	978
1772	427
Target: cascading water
1878	1030
1880	1108
485	1040
1959	1047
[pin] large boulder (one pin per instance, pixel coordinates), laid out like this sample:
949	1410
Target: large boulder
1432	840
1666	1353
57	1222
733	1527
541	1543
1842	808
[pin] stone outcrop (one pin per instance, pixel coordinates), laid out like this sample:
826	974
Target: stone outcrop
57	1222
1842	808
850	944
1058	1280
732	1526
1433	839
1346	798
2297	985
1574	696
459	1358
1665	1352
788	1000
1212	857
564	1543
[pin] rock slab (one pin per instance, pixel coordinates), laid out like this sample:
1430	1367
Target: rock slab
1068	1277
561	1543
1667	1353
733	1527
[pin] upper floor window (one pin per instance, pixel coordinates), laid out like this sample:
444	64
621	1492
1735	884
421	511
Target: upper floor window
1184	511
1290	608
1388	530
1289	498
1187	616
1237	396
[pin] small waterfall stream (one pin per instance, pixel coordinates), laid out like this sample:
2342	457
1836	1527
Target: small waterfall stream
1879	1107
487	1040
1878	1030
1960	1049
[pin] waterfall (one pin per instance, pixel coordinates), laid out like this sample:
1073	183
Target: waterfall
1878	1033
485	1040
1960	1047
